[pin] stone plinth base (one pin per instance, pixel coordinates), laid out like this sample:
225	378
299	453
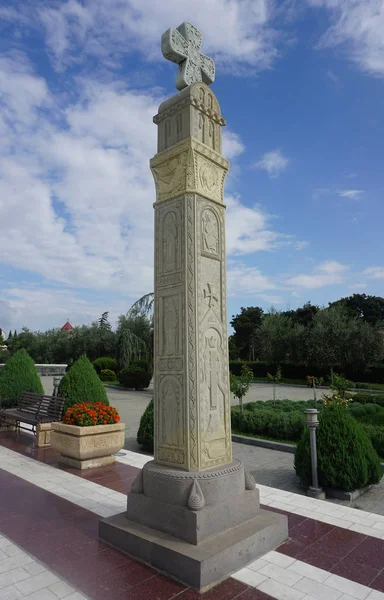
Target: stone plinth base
101	461
199	566
198	527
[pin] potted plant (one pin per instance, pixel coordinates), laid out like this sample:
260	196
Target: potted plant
88	435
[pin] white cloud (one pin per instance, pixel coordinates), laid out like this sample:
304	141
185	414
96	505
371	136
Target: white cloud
232	144
353	194
248	229
107	29
244	280
374	272
274	163
41	308
76	194
357	26
329	272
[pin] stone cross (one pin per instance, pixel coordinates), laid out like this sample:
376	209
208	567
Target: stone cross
182	46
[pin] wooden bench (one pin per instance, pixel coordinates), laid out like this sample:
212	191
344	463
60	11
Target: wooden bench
37	411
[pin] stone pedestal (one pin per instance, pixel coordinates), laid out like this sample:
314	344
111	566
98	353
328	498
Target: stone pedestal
193	512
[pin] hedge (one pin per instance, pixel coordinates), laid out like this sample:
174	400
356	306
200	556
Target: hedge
374	374
272	423
368	398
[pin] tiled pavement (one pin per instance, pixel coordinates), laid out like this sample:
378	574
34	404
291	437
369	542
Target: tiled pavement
49	521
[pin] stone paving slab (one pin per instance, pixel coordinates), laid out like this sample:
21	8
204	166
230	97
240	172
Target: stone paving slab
327	557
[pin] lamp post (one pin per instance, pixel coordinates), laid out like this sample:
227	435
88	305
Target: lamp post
312	422
56	383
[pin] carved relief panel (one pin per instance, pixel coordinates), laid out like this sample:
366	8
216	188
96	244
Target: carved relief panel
169	244
171	409
210	233
215	441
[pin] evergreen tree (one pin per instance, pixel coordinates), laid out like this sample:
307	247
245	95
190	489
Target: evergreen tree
81	384
19	375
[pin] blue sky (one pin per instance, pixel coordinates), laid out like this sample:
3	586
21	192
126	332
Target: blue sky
301	86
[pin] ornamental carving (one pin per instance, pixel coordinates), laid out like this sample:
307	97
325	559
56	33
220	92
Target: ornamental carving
171	455
210	232
191	332
171	426
170	242
170	364
171	321
170	176
172	279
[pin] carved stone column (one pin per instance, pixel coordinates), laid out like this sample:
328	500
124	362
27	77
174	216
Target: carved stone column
193	512
192	398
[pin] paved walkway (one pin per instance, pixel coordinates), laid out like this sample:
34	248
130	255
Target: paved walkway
49	545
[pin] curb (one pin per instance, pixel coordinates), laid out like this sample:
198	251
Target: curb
346	496
124	389
271	445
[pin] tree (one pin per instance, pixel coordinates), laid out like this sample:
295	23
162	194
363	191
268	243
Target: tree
135	333
367	308
304	315
81	384
246	325
19	375
240	384
280	339
337	340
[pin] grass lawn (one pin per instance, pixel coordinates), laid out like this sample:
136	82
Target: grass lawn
112	383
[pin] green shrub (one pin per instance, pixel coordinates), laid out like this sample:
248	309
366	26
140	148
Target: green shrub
105	362
107	375
376	435
135	378
82	384
18	375
346	458
142	364
145	433
272	423
356	411
371	409
369	399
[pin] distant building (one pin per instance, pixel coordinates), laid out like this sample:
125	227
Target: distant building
67	327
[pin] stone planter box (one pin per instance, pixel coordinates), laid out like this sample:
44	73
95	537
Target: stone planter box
87	447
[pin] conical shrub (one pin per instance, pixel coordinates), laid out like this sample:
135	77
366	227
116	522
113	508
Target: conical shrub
145	433
345	455
82	384
18	375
